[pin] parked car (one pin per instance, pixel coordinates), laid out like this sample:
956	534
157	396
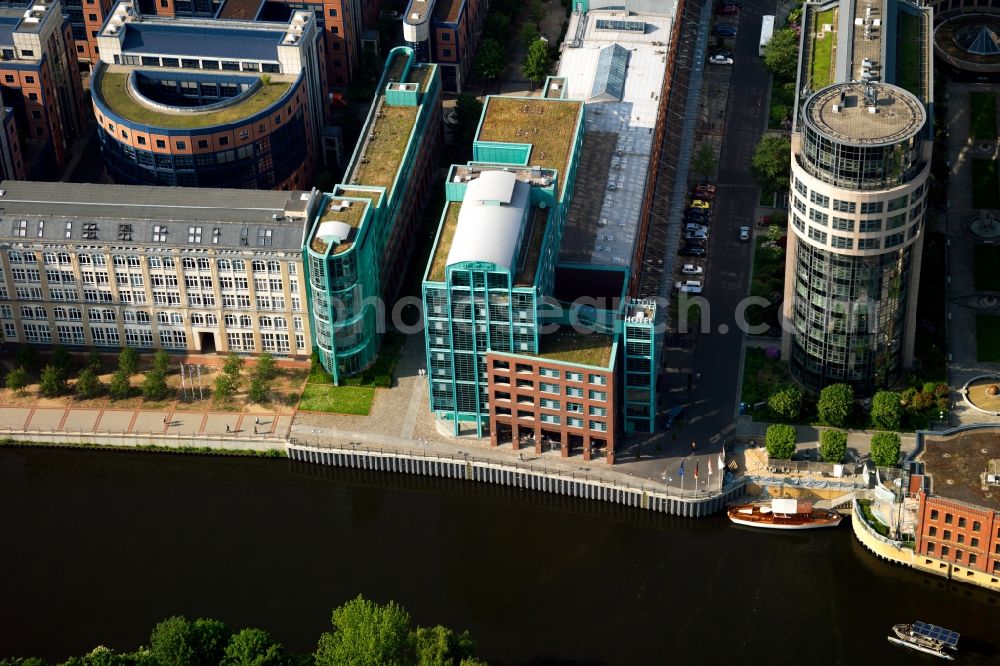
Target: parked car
691	269
702	193
744	233
698	216
706	186
726	10
689	286
692	250
696	235
698	203
691	226
720	60
725	30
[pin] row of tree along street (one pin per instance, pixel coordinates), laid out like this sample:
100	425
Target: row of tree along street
363	634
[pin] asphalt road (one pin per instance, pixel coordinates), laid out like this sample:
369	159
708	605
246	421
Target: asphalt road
718	352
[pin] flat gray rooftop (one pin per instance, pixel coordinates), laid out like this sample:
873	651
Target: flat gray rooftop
109	207
841	112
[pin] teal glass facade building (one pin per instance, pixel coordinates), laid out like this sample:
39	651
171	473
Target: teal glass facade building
359	243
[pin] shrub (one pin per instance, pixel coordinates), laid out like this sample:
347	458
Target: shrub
887	412
161	361
234	364
120	387
833	445
225	387
27	358
128	361
87	384
885	449
780	441
786	402
52	382
154	386
258	389
17	380
836	402
95	361
61	361
266	367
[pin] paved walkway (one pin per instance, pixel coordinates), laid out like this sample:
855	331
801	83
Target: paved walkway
859	442
170	418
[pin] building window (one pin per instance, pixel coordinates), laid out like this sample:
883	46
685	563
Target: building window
868	226
599	426
945	550
974	542
333	12
972	559
819	199
869	243
930	548
264	236
871	207
947	535
932	531
948	518
842	243
934	514
597	380
574	377
445	53
961	521
194	234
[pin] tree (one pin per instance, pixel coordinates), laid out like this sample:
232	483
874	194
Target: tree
95	361
27	358
786	402
17	380
887	410
780	441
538	62
885	449
266	368
253	647
771	161
233	366
87	384
498	26
177	642
172	642
258	390
527	35
52	382
468	110
365	634
704	163
225	387
781	54
536	10
440	646
836	402
154	386
120	386
61	360
833	445
161	361
490	59
128	361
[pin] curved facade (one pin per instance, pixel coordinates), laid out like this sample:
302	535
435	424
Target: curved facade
201	129
857	205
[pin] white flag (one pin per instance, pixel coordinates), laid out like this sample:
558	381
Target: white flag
710	467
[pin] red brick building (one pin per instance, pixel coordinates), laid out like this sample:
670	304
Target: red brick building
554	400
958	519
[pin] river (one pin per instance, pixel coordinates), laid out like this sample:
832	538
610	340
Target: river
96	547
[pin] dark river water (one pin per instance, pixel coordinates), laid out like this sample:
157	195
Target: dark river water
96	547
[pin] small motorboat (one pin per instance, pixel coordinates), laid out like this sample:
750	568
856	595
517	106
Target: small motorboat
927	638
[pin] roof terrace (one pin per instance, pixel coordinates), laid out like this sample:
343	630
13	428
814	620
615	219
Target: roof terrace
113	88
447	10
440	259
549	125
577	347
958	464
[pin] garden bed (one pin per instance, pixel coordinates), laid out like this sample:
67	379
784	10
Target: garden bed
987	338
983	115
987	259
985	184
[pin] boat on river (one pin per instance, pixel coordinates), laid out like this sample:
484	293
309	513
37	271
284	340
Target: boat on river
926	638
783	514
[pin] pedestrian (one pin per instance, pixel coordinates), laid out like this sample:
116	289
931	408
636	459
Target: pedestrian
255	430
520	456
164	420
227	428
693	446
256	421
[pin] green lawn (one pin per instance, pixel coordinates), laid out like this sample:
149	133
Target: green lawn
983	115
988	338
337	399
761	375
987	267
908	62
782	103
985	184
822	56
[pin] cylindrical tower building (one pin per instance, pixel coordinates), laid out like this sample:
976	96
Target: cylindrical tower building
857	203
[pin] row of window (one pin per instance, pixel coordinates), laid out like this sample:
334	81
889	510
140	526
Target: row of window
135	261
572	422
197	63
552	373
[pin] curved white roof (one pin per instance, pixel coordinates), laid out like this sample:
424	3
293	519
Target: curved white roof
489	223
